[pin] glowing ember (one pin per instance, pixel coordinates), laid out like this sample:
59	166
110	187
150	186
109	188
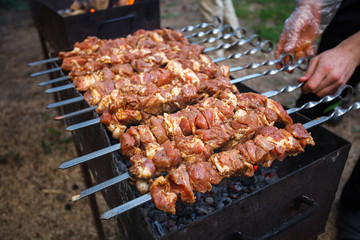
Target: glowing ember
92	10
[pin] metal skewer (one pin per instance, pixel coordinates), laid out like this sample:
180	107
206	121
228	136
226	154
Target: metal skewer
83	124
254	40
54	80
126	206
210	32
338	111
264	63
60	88
45	72
76	113
233	33
49	60
271	72
266	46
215	22
90	156
147	197
312	104
101	186
286	89
66	102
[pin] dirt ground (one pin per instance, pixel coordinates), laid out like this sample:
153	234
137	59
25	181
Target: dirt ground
34	192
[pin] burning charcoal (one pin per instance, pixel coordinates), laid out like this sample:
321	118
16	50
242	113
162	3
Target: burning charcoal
197	195
182	221
209	200
259	179
201	211
217	198
237	187
156	225
173	228
234	196
215	189
161	217
171	223
186	211
224	201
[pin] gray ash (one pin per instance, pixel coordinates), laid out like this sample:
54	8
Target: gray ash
222	195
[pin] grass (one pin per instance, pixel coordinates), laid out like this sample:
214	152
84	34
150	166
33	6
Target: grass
264	17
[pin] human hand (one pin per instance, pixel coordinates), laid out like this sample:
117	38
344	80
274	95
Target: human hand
332	68
300	31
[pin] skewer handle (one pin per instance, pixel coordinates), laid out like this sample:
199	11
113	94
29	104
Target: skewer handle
312	104
264	63
283	90
254	40
337	113
210	32
272	72
265	47
215	22
239	33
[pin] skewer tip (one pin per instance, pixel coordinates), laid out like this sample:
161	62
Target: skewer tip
63	166
58	118
75	197
104	217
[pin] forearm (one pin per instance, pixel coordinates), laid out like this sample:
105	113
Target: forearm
351	46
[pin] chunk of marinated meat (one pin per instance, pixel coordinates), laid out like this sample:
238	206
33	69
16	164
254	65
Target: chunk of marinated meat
157	128
142	167
180	184
299	132
162	195
230	163
167	156
202	176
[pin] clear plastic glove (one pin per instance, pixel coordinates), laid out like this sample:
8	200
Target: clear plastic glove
304	26
332	68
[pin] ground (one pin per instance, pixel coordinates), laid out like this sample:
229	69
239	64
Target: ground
34	192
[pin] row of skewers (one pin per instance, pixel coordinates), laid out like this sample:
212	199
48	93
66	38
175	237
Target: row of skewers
216	132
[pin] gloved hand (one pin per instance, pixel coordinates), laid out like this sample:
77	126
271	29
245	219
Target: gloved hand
304	26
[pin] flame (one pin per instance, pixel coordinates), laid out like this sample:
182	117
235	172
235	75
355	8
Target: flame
255	168
130	2
92	10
